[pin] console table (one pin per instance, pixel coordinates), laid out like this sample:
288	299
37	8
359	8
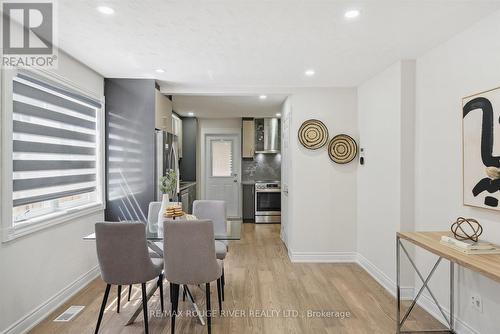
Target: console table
487	265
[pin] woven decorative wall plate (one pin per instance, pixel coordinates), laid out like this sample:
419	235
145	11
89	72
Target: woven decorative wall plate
342	149
313	134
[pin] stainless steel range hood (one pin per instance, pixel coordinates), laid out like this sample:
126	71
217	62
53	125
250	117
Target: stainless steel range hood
267	135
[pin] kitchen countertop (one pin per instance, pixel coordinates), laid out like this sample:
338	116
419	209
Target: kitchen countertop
186	184
248	183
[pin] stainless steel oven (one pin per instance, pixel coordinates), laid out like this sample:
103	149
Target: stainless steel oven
267	202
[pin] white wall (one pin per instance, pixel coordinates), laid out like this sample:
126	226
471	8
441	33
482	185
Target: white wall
42	269
467	64
385	182
286	170
379	107
412	179
322	198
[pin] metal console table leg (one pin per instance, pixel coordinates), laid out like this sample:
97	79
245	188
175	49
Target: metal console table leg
398	286
452	296
425	286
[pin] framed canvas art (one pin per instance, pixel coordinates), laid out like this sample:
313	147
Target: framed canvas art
481	149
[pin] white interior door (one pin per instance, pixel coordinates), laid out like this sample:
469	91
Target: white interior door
285	170
222	165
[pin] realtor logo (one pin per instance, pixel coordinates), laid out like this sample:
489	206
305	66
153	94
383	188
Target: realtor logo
28	34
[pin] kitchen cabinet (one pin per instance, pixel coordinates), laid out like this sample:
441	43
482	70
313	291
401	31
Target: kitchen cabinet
248	202
192	197
163	112
177	131
185	200
187	164
187	196
248	142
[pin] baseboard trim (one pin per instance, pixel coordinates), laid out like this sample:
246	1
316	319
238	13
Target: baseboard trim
428	305
407	293
41	312
322	257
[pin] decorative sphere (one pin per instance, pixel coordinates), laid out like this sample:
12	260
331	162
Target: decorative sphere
466	229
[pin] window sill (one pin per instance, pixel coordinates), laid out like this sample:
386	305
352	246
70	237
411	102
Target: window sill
37	224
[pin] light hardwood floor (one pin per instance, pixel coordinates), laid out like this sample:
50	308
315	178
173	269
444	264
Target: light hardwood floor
259	276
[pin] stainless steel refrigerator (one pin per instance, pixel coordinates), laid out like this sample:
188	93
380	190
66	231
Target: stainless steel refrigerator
166	158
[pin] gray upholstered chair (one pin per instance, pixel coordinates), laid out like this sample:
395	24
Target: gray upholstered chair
124	259
190	259
216	212
212	210
153	211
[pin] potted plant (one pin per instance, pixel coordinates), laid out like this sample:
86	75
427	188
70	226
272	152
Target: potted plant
168	187
168	184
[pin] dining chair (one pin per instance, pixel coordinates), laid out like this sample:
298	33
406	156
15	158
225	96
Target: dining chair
190	259
124	259
153	211
216	212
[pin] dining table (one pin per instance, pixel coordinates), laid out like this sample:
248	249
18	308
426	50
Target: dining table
155	236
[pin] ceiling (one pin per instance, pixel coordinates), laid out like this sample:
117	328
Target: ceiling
227	106
256	45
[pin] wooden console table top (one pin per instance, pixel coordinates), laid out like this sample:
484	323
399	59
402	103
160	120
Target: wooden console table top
487	264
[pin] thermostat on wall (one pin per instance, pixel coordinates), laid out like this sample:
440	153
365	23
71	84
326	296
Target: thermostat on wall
361	156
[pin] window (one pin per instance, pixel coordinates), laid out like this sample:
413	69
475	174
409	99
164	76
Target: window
56	150
222	158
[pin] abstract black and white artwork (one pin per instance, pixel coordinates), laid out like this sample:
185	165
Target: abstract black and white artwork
481	149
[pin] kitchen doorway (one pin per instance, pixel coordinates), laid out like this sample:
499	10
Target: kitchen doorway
222	168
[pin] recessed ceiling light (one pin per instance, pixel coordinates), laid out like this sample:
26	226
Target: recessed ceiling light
190	113
106	10
350	14
160	70
263	97
278	115
309	72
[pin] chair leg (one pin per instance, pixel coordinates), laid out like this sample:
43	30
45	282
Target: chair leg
183	293
219	294
119	299
103	306
160	284
145	308
223	282
209	308
129	291
174	288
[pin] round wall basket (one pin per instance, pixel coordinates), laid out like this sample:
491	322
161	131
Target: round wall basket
313	134
342	149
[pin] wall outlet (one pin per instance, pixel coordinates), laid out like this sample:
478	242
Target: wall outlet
477	303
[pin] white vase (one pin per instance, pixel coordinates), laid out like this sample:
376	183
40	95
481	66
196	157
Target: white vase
164	204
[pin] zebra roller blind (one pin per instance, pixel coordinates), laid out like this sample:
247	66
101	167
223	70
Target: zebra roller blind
54	141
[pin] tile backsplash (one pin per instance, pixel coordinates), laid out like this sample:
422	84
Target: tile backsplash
262	167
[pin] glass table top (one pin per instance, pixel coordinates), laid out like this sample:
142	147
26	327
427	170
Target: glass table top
233	232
